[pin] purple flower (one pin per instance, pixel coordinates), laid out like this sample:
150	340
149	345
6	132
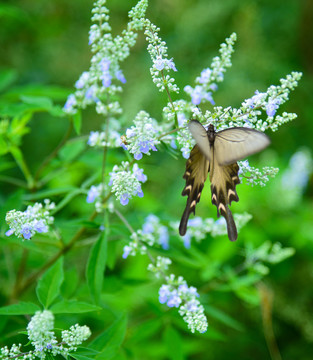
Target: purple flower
125	147
272	106
130	133
187	241
185	152
192	305
159	64
106	79
70	102
93	193
181	118
26	231
163	239
9	232
106	76
127	249
49	346
174	300
90	93
80	83
40	226
140	193
164	294
171	64
213	87
120	76
105	64
148	227
138	156
195	222
205	76
193	291
139	173
124	199
183	288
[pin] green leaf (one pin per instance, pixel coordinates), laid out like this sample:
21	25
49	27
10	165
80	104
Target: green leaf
70	283
83	354
49	285
224	318
73	307
173	343
77	121
7	78
22	308
96	266
109	342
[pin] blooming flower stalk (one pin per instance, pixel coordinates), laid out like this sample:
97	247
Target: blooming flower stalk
254	176
161	64
151	234
35	219
176	293
104	78
126	183
42	338
142	138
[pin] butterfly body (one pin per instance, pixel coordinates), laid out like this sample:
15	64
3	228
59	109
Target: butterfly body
217	153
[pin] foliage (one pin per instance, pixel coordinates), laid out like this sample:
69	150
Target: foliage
91	234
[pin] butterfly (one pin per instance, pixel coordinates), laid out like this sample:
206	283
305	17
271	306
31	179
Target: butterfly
217	153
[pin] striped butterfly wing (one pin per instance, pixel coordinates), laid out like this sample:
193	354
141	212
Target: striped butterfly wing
197	168
224	179
235	144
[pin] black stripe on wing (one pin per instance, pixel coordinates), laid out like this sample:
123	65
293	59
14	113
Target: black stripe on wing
197	168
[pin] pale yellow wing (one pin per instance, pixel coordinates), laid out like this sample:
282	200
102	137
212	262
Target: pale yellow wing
235	144
199	133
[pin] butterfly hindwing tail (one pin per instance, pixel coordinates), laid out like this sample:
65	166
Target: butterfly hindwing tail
223	189
197	168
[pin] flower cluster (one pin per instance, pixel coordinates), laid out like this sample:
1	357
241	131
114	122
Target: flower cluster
42	338
248	115
151	233
206	82
126	183
254	176
160	267
158	52
98	139
103	79
266	253
35	219
199	228
142	137
176	293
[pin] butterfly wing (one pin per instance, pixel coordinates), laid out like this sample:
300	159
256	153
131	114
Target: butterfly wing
235	144
199	133
197	168
224	179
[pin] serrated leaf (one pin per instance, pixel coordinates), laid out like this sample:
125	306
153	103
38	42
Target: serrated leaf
96	266
72	306
49	285
22	308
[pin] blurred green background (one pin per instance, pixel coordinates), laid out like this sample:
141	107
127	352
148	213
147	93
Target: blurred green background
46	43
